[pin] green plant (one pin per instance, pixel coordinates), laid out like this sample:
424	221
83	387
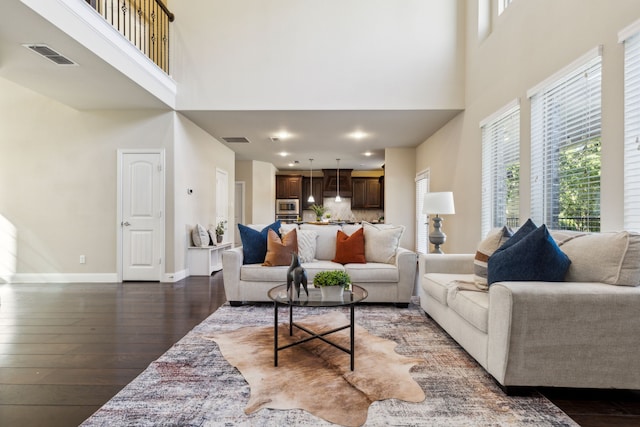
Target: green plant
332	278
318	210
221	227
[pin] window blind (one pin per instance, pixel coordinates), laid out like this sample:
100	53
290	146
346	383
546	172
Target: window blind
501	169
565	149
422	227
632	133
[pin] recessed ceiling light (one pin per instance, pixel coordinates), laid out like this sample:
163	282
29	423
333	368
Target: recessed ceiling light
357	134
368	153
283	154
283	134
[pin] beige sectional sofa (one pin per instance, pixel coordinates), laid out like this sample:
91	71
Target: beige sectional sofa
386	282
583	332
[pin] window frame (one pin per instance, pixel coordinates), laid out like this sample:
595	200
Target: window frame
630	37
566	115
500	149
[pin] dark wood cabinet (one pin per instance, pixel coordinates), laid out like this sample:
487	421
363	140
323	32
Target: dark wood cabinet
367	193
316	190
288	186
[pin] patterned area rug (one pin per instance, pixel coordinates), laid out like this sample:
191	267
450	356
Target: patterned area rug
192	384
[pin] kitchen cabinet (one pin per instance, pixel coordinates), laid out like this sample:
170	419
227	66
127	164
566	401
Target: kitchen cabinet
367	193
316	190
288	186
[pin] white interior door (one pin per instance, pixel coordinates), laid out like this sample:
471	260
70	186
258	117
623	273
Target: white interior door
142	219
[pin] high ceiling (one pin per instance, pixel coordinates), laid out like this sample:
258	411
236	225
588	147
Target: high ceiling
321	135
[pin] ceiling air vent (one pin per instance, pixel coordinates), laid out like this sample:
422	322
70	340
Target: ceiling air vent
50	54
274	139
236	139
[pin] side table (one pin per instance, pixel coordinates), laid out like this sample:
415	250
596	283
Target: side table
203	261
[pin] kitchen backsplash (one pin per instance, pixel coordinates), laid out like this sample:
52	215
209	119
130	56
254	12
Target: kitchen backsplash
342	212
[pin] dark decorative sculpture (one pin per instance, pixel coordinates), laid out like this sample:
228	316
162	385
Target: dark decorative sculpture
296	275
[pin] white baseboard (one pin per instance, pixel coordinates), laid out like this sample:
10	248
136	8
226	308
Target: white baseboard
60	278
80	277
176	276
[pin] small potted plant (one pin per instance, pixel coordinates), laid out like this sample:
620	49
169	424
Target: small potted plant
318	210
332	283
220	229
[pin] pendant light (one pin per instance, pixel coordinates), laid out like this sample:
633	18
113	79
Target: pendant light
311	199
338	199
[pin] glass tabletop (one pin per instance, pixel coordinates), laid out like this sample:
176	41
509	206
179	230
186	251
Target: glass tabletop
279	294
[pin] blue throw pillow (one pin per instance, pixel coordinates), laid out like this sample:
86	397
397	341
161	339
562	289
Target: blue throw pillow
254	243
535	257
520	234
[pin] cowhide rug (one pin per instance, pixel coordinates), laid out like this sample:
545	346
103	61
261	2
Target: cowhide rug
316	376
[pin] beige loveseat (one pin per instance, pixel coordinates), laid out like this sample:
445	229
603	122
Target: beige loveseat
385	282
583	332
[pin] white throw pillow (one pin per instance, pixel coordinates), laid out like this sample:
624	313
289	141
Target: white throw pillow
612	258
200	236
326	242
307	245
381	242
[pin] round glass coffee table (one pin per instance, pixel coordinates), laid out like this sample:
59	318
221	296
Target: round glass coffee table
280	296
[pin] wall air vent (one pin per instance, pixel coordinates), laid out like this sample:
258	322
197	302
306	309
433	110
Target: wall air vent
236	139
50	54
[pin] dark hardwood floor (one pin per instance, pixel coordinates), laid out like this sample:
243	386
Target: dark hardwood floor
66	349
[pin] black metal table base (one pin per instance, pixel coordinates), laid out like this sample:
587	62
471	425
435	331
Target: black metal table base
313	335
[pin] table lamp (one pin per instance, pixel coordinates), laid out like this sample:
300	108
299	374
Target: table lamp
438	204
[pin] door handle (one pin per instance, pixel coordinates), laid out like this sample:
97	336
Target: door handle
126	224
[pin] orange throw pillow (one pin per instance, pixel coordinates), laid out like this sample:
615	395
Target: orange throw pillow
279	251
350	249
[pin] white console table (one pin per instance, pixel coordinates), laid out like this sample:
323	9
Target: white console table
205	260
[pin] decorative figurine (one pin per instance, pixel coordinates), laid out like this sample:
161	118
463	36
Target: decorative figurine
296	275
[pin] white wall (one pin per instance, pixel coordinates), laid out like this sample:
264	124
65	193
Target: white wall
197	155
399	192
263	206
58	181
260	190
58	184
529	42
308	54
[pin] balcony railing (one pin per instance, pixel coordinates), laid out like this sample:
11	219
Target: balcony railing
145	23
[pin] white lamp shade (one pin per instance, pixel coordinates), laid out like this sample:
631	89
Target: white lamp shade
438	203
